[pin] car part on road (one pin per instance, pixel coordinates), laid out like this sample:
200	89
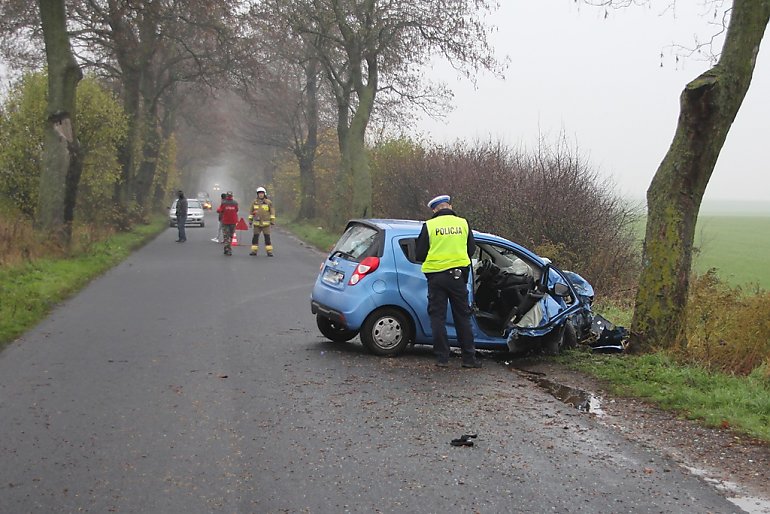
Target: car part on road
464	440
386	332
608	337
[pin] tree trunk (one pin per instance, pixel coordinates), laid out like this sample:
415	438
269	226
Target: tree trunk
708	106
307	207
145	175
307	210
127	152
354	185
62	164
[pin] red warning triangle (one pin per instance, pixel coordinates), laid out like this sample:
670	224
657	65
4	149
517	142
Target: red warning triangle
241	225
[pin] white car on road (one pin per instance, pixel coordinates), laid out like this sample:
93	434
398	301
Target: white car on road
195	213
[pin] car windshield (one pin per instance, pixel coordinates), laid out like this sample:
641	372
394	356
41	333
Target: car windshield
355	242
193	204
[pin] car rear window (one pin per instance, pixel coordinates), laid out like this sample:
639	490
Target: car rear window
357	242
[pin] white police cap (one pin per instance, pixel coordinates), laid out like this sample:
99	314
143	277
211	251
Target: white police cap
438	200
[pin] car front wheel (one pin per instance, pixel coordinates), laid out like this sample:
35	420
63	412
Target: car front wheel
386	332
569	338
559	339
333	331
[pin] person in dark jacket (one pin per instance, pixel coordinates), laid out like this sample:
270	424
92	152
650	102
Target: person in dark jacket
181	217
445	246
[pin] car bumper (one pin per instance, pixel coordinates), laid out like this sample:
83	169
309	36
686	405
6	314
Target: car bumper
344	308
327	312
195	220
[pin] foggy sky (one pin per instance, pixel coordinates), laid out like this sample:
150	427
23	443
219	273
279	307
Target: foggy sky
600	82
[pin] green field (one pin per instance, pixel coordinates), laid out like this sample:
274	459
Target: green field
738	246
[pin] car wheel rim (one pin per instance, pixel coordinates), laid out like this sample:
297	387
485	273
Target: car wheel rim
387	333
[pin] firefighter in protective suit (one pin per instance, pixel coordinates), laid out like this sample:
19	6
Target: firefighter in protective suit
261	217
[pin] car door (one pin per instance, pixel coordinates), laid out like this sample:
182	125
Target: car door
413	286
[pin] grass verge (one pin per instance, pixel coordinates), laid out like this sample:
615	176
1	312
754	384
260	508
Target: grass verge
740	403
313	233
31	290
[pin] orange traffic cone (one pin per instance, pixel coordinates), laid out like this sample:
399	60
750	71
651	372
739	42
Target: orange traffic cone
235	238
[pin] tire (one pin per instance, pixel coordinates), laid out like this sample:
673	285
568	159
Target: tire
332	331
386	332
560	339
569	338
552	341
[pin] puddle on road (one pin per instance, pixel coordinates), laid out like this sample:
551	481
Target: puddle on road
583	401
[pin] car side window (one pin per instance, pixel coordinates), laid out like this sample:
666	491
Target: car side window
409	247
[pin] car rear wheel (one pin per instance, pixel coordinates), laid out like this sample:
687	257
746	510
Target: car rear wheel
333	331
386	332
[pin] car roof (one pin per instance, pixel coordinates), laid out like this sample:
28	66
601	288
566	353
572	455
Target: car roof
391	223
413	227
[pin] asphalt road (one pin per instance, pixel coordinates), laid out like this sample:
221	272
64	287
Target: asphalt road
186	381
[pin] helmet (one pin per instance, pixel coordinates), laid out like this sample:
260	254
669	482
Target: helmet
261	190
229	193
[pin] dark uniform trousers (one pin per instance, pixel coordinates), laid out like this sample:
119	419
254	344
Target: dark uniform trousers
442	286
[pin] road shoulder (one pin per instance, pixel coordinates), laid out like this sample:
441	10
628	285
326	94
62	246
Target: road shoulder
736	464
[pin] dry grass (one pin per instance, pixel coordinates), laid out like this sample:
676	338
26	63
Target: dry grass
20	243
727	329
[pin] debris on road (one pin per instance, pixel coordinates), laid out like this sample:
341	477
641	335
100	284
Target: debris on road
464	440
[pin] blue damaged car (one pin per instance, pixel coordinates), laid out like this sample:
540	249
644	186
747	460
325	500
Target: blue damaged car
372	285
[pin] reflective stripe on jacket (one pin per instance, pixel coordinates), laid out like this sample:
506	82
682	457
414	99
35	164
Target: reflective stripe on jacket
262	212
448	236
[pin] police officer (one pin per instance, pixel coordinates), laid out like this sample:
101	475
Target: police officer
445	246
261	216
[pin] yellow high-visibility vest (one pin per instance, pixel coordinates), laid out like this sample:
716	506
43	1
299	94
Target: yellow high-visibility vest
448	236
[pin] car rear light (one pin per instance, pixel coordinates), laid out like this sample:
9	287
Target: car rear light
366	266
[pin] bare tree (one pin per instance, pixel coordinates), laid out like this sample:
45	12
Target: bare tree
62	164
377	47
284	86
